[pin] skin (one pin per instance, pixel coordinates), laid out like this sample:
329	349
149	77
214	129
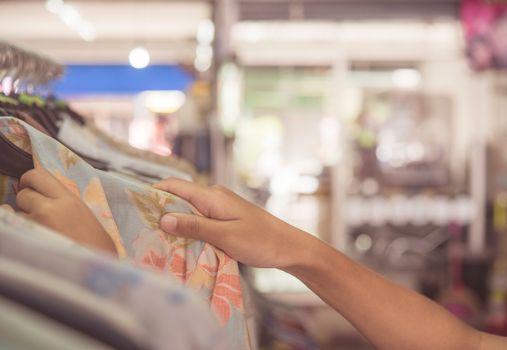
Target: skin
43	199
389	316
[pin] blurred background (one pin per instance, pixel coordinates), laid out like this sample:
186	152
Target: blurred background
376	125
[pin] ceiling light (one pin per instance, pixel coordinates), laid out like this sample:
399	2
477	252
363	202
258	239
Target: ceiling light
206	32
54	6
164	102
202	65
139	58
87	32
406	78
203	57
69	15
204	51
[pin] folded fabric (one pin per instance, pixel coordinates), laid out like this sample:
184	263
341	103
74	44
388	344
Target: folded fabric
130	211
155	309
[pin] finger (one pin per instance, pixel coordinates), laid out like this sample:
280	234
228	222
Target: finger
42	181
24	215
197	195
195	227
181	188
29	200
7	207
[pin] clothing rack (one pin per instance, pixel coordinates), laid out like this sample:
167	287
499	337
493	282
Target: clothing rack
26	66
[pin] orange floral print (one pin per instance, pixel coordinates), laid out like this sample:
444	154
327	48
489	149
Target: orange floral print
154	260
179	267
227	293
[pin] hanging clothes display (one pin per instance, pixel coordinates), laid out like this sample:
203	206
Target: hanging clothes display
175	293
130	212
173	162
92	145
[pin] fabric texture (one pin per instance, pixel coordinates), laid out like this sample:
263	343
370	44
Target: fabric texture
130	211
22	328
170	316
72	306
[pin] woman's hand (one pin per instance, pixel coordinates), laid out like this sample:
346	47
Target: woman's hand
244	231
43	199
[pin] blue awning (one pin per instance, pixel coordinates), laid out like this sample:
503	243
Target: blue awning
120	79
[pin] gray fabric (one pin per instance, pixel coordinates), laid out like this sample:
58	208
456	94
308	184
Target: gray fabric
70	305
24	329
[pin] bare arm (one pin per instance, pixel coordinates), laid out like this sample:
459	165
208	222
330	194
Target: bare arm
492	342
389	316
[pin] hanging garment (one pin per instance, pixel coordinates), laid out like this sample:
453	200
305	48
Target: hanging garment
195	147
170	316
171	161
130	211
76	308
22	328
81	138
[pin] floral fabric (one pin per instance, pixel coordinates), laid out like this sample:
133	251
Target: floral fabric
129	211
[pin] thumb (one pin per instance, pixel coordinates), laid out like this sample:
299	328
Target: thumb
192	226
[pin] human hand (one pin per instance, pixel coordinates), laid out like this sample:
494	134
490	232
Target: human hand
244	231
7	207
43	199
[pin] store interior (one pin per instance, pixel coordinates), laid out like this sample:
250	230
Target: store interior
375	125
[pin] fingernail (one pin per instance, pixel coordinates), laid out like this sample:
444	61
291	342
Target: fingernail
168	223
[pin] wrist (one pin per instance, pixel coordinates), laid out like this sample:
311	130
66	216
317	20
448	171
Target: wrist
308	256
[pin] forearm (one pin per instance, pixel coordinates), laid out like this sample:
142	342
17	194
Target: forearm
493	342
389	316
